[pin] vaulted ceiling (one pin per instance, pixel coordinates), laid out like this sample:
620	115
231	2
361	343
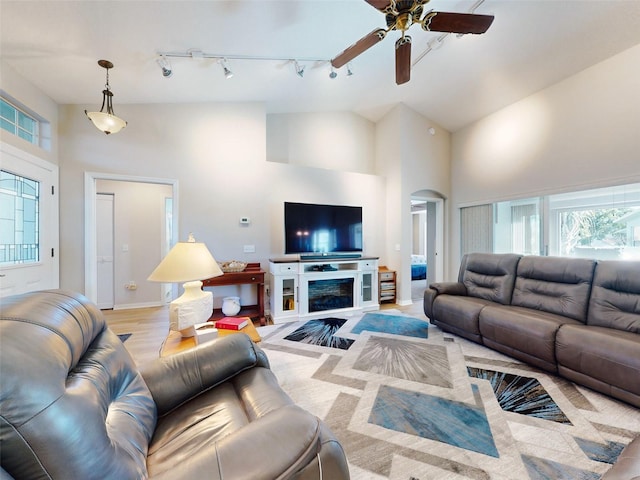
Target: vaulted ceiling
532	44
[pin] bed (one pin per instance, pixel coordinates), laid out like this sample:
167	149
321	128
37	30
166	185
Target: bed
418	267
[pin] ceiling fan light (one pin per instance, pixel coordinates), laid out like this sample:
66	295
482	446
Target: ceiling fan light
349	71
333	73
299	69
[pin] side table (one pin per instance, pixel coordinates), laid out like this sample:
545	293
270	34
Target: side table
252	275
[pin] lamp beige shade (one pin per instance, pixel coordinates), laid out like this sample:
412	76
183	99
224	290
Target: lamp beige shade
187	261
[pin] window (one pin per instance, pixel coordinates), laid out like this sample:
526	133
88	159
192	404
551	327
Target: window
601	223
19	219
18	123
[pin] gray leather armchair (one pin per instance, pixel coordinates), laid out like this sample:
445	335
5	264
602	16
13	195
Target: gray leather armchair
74	405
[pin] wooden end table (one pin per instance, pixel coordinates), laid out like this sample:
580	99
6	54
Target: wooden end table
252	275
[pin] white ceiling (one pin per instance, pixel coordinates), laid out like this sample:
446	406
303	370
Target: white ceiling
531	45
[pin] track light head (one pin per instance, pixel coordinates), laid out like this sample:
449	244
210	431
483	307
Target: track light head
349	71
299	69
165	66
227	72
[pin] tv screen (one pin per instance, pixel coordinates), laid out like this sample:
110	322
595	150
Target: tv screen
322	229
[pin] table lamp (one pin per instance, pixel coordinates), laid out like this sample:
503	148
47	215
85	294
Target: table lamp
188	262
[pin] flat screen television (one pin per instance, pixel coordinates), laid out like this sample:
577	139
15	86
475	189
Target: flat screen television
312	229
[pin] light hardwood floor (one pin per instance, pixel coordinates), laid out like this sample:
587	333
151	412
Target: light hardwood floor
150	326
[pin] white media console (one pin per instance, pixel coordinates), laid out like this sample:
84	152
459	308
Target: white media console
314	288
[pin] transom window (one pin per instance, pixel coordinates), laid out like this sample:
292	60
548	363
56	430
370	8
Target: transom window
19	123
19	219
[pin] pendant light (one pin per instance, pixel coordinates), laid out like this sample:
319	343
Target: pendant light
106	122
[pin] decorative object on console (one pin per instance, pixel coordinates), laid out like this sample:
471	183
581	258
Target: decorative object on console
233	266
188	262
232	323
106	122
230	306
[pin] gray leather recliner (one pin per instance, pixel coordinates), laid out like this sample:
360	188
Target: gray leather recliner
74	405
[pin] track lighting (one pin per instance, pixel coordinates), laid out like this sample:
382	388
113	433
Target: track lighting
349	71
227	73
299	64
106	122
165	66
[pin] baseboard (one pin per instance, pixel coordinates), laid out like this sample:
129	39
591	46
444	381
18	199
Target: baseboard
127	306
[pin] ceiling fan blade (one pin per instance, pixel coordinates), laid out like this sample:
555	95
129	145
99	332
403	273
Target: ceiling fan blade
456	22
379	4
403	60
357	48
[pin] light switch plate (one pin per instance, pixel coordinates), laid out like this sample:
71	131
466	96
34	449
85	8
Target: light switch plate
249	249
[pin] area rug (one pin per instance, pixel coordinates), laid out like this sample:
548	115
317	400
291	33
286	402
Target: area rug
408	401
124	336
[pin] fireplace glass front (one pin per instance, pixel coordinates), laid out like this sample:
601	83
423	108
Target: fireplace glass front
330	294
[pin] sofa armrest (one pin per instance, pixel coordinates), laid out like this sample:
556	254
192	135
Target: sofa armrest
175	379
449	288
435	289
281	443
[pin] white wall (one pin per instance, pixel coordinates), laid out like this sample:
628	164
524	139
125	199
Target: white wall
578	133
332	140
12	84
217	152
411	159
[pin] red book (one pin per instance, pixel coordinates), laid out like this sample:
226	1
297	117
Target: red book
232	323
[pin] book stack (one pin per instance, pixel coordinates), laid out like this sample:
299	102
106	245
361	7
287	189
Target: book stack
232	323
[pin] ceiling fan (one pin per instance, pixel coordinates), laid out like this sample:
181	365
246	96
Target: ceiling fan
402	14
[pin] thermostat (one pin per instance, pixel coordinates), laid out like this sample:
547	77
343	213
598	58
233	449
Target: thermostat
245	220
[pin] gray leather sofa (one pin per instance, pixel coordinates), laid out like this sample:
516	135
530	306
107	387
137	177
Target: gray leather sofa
74	405
577	318
573	317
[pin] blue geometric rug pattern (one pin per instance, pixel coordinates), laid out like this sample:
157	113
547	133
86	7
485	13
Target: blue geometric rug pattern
520	394
321	332
408	401
432	417
392	324
124	337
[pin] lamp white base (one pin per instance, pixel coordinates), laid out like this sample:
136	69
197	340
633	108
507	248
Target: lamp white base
194	306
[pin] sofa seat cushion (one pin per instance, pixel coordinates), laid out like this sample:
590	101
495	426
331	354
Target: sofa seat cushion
214	415
522	333
606	360
459	315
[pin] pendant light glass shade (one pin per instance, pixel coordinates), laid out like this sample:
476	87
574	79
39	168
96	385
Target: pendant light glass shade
106	122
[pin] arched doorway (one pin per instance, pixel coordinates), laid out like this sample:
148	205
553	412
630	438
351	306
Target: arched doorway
427	258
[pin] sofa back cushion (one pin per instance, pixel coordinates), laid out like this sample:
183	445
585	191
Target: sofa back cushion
489	275
615	296
555	285
73	404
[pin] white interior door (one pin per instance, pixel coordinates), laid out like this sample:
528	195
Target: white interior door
105	245
41	271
